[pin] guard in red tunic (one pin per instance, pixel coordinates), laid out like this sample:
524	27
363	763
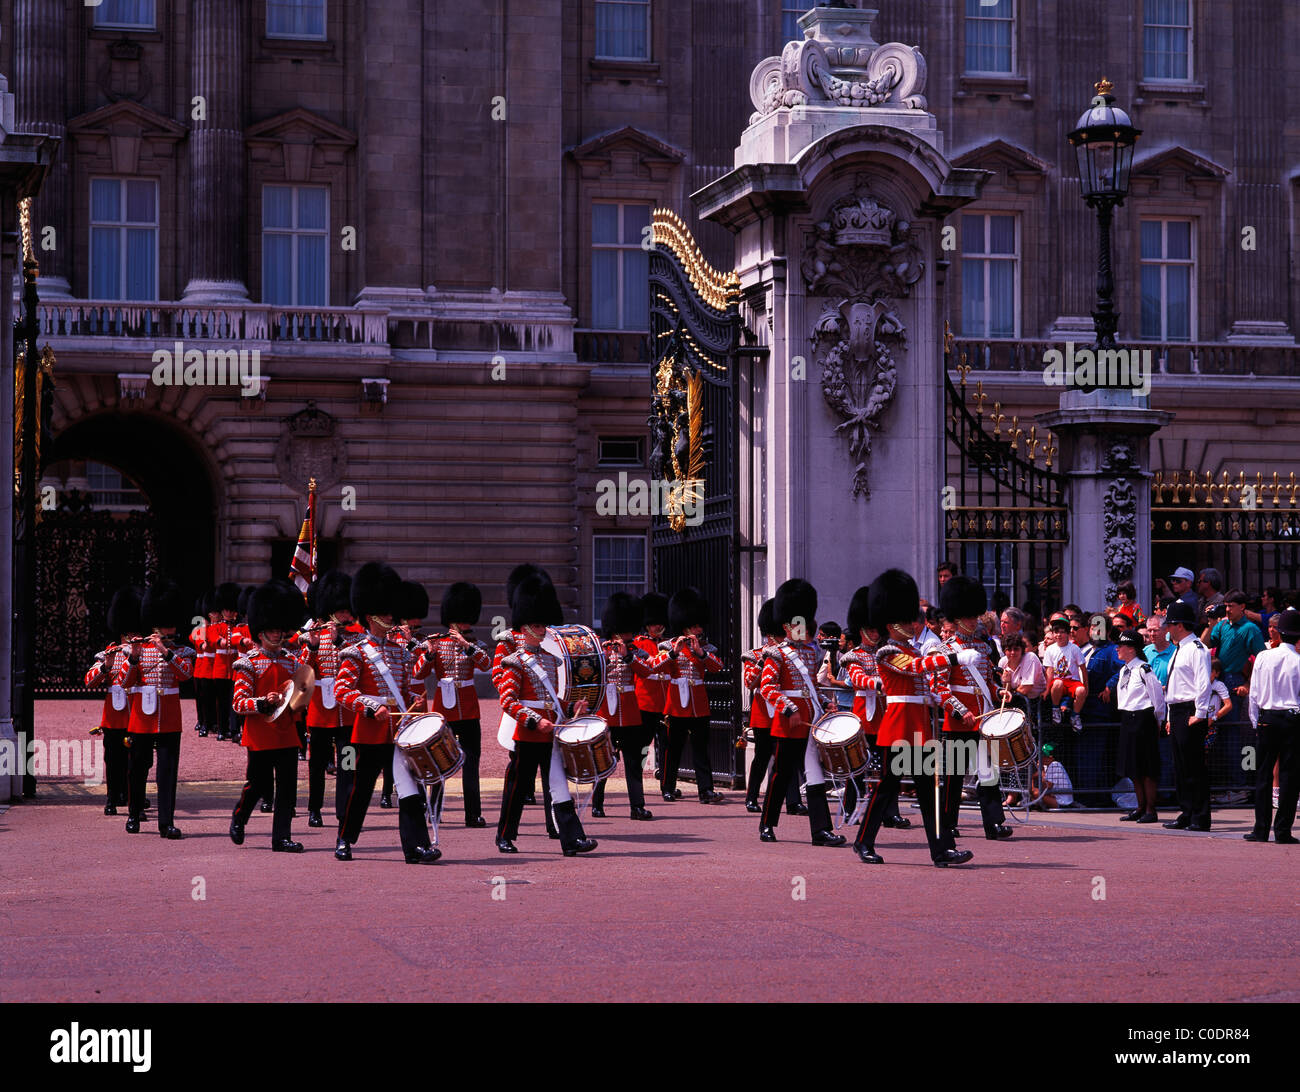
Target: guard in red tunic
330	603
152	673
205	655
275	611
412	609
241	641
620	622
686	659
894	606
123	624
447	665
966	693
788	682
529	678
507	643
226	601
761	712
374	685
652	691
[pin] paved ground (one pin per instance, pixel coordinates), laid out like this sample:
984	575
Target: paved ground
689	907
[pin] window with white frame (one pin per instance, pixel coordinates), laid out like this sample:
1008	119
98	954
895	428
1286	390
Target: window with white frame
295	18
990	37
1168	280
1167	40
620	267
990	275
791	13
623	30
295	236
618	564
136	14
123	239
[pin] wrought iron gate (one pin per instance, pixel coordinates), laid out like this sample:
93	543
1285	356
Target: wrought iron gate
694	333
1005	520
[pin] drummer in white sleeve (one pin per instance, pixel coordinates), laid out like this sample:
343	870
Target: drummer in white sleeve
1141	711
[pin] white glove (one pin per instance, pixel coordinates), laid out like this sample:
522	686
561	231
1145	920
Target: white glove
967	656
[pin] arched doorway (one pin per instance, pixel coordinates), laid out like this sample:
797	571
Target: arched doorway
93	537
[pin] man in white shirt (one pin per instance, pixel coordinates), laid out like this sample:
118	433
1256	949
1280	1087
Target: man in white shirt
1275	712
1190	703
1141	710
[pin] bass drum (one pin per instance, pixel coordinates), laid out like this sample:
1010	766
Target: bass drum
582	664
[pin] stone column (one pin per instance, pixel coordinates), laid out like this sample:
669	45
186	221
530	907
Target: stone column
217	154
40	88
1105	442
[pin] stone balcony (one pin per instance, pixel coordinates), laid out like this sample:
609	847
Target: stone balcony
1205	358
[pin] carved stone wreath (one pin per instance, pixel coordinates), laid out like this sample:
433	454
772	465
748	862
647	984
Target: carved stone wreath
1119	547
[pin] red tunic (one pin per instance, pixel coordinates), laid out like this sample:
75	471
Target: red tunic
652	690
324	660
359	687
957	689
751	670
524	697
258	675
865	676
104	669
686	674
903	674
783	685
161	676
621	677
204	650
448	673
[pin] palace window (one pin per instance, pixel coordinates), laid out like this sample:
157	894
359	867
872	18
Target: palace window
623	30
791	13
990	275
131	14
123	239
295	234
295	18
1168	279
620	267
990	37
1167	40
618	564
621	451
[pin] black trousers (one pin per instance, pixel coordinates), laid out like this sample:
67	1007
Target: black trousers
469	734
222	692
203	702
857	787
281	765
526	761
320	754
697	728
785	772
885	799
989	796
1191	774
116	758
631	742
1279	742
143	746
371	760
758	771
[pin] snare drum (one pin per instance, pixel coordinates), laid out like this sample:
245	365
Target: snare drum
430	748
582	663
586	750
1009	732
842	744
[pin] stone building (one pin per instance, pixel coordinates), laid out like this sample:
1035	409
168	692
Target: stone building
422	222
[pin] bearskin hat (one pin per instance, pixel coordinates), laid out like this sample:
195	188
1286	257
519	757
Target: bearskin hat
893	598
330	594
795	599
124	611
535	604
277	604
685	609
654	609
244	597
767	626
462	604
518	575
227	596
963	597
860	614
162	605
375	590
622	614
412	601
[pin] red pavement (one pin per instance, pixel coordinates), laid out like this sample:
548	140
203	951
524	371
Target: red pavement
689	907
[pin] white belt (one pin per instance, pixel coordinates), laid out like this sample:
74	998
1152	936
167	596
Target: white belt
907	699
657	678
861	693
155	689
628	689
535	704
963	690
794	693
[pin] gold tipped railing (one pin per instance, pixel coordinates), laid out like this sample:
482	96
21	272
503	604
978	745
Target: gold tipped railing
718	289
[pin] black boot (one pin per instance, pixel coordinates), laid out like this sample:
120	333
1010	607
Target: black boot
819	818
414	831
573	840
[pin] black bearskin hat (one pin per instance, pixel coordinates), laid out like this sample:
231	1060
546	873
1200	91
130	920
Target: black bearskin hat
375	590
685	609
518	575
796	599
462	604
277	604
893	598
162	605
412	601
963	597
227	596
124	612
535	604
654	608
622	614
244	597
767	626
331	593
860	614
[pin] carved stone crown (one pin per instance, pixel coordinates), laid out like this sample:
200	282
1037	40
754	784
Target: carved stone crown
860	220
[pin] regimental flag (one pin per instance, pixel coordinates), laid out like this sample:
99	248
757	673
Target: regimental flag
303	569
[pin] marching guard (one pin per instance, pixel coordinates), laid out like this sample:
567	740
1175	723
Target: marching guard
204	654
275	611
226	601
620	622
788	683
686	659
330	728
652	691
152	672
115	716
761	712
412	609
1275	710
373	685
